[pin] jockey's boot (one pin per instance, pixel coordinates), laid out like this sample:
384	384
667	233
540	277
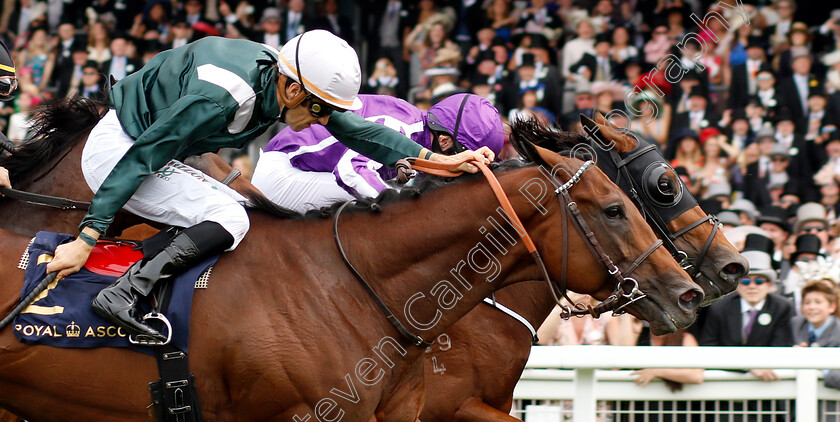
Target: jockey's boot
117	302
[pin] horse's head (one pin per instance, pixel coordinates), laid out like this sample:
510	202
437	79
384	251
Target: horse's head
623	253
690	235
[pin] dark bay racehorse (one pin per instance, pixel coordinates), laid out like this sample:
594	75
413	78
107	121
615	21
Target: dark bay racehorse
286	330
464	380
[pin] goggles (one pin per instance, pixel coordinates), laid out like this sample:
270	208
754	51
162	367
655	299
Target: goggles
8	86
757	280
438	129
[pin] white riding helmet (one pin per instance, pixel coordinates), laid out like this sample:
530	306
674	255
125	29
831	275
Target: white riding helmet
330	67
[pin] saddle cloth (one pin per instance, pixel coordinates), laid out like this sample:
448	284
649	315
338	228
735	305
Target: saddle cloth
61	315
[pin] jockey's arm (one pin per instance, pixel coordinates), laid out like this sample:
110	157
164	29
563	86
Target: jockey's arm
386	145
373	140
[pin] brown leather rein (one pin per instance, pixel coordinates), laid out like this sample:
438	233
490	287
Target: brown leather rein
626	290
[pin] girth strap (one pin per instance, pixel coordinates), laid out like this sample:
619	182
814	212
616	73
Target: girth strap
511	313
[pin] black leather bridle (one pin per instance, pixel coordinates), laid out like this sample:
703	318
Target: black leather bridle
635	172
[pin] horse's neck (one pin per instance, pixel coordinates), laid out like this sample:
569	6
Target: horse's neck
435	259
63	179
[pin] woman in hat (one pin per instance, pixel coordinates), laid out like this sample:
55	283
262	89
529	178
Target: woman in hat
687	152
653	118
717	159
210	94
434	45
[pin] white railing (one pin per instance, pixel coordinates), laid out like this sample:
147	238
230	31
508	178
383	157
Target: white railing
586	374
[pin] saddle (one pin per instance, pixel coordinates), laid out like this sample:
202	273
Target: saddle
61	315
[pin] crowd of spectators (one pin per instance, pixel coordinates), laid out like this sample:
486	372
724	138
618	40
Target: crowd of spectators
744	98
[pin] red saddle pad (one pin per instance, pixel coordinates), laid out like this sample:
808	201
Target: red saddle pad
112	259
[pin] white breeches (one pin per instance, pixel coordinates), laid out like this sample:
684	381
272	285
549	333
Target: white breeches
293	188
177	194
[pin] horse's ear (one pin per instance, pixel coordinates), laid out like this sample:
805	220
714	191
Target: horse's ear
598	117
593	131
545	157
527	150
608	138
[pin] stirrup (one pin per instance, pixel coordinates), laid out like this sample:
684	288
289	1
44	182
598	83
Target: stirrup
144	340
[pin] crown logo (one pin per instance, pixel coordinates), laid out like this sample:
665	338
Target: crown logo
73	330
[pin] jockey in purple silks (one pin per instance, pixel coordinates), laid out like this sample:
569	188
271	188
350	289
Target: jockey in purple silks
310	169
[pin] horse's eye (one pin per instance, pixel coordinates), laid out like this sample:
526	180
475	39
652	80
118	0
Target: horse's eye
662	186
614	212
666	185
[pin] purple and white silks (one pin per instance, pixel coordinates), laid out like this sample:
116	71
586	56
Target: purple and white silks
315	149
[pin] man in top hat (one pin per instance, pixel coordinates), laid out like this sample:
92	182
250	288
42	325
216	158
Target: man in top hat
529	78
758	172
803	156
793	92
541	19
728	220
746	211
766	92
808	247
777	34
68	74
773	220
818	115
752	316
600	66
721	192
811	218
120	65
699	115
181	31
738	129
778	175
296	20
334	22
745	76
268	31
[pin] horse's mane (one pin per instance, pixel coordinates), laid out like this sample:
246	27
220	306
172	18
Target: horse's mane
56	127
532	131
522	130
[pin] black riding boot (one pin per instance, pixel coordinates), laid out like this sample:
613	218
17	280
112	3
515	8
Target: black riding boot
117	302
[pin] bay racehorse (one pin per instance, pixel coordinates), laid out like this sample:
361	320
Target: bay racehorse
470	376
285	331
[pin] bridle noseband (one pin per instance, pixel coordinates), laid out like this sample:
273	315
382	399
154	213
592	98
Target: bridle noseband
626	290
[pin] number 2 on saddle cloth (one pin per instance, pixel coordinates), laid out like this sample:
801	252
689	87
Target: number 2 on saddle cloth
61	315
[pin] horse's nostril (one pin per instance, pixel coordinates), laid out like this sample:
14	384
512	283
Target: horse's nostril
734	270
688	296
691	299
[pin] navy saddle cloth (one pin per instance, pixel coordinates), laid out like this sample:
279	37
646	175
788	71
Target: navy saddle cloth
61	316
